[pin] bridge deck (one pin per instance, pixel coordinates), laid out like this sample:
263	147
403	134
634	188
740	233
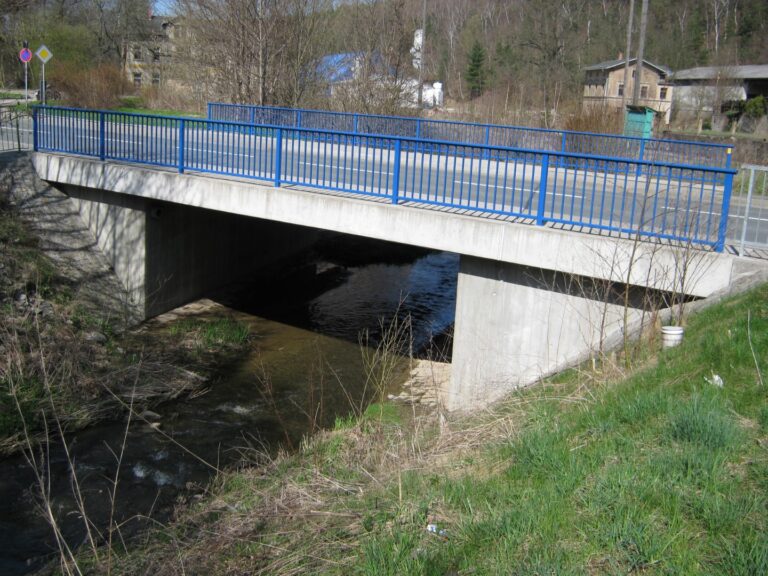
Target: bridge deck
662	201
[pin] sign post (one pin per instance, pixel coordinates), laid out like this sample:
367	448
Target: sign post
44	54
25	55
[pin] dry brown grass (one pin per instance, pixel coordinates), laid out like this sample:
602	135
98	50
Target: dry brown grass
301	513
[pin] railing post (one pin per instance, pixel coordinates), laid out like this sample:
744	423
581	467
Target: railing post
720	246
18	133
102	139
208	111
641	157
278	157
747	209
181	146
251	115
563	148
542	190
728	155
419	147
298	118
354	123
396	176
34	129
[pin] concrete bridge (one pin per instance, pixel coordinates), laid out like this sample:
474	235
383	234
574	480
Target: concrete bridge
532	299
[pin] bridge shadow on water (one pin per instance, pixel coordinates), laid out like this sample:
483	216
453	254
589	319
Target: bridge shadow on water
352	288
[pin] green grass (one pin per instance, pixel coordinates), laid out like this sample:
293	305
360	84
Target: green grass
659	473
20	403
662	473
214	332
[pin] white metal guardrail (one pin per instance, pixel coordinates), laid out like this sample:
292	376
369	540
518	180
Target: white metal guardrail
15	129
748	218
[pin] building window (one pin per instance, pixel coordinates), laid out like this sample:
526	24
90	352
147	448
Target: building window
156	79
644	91
137	79
621	89
137	56
662	93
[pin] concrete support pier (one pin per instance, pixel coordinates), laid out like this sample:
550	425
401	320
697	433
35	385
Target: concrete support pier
516	324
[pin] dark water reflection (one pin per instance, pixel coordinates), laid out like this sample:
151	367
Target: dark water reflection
303	370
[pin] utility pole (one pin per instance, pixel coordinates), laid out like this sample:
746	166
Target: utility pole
627	54
640	55
420	100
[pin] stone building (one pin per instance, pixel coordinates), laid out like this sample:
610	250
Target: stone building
604	86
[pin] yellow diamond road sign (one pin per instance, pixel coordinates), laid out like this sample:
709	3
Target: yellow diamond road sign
44	54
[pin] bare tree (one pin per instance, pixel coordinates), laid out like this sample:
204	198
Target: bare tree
254	51
550	35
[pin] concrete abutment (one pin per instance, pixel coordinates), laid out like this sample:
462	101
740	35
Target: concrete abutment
516	324
168	254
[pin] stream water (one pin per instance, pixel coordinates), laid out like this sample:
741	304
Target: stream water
302	370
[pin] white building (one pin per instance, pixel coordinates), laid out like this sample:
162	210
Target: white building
700	92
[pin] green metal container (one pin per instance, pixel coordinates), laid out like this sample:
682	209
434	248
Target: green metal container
638	121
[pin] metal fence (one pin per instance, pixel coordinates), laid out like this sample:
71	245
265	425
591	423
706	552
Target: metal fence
15	129
748	221
661	200
615	146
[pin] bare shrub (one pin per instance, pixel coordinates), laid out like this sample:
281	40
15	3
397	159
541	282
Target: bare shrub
98	87
603	120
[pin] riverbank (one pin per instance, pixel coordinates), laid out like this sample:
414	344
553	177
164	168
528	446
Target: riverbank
67	356
657	466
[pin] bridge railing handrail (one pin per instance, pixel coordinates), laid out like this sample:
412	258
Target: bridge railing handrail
373	135
161	140
465	123
563	135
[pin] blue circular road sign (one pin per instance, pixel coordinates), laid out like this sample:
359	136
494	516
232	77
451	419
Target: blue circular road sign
25	55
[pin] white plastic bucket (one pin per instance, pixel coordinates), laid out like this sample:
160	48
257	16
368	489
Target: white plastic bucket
671	336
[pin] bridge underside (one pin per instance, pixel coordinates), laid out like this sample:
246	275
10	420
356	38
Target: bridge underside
529	299
168	254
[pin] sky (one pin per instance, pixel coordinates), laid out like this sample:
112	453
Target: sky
163	6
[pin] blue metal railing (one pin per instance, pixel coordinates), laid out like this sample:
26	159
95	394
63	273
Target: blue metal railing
659	200
615	146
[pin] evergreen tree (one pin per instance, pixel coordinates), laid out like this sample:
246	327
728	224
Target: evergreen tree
476	74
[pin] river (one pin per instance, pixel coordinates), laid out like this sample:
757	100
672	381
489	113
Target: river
303	368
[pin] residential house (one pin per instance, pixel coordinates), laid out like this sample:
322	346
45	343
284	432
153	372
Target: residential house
146	62
604	86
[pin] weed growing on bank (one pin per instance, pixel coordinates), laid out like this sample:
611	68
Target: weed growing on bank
212	332
664	471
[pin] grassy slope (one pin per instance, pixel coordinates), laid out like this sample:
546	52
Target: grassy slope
657	473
